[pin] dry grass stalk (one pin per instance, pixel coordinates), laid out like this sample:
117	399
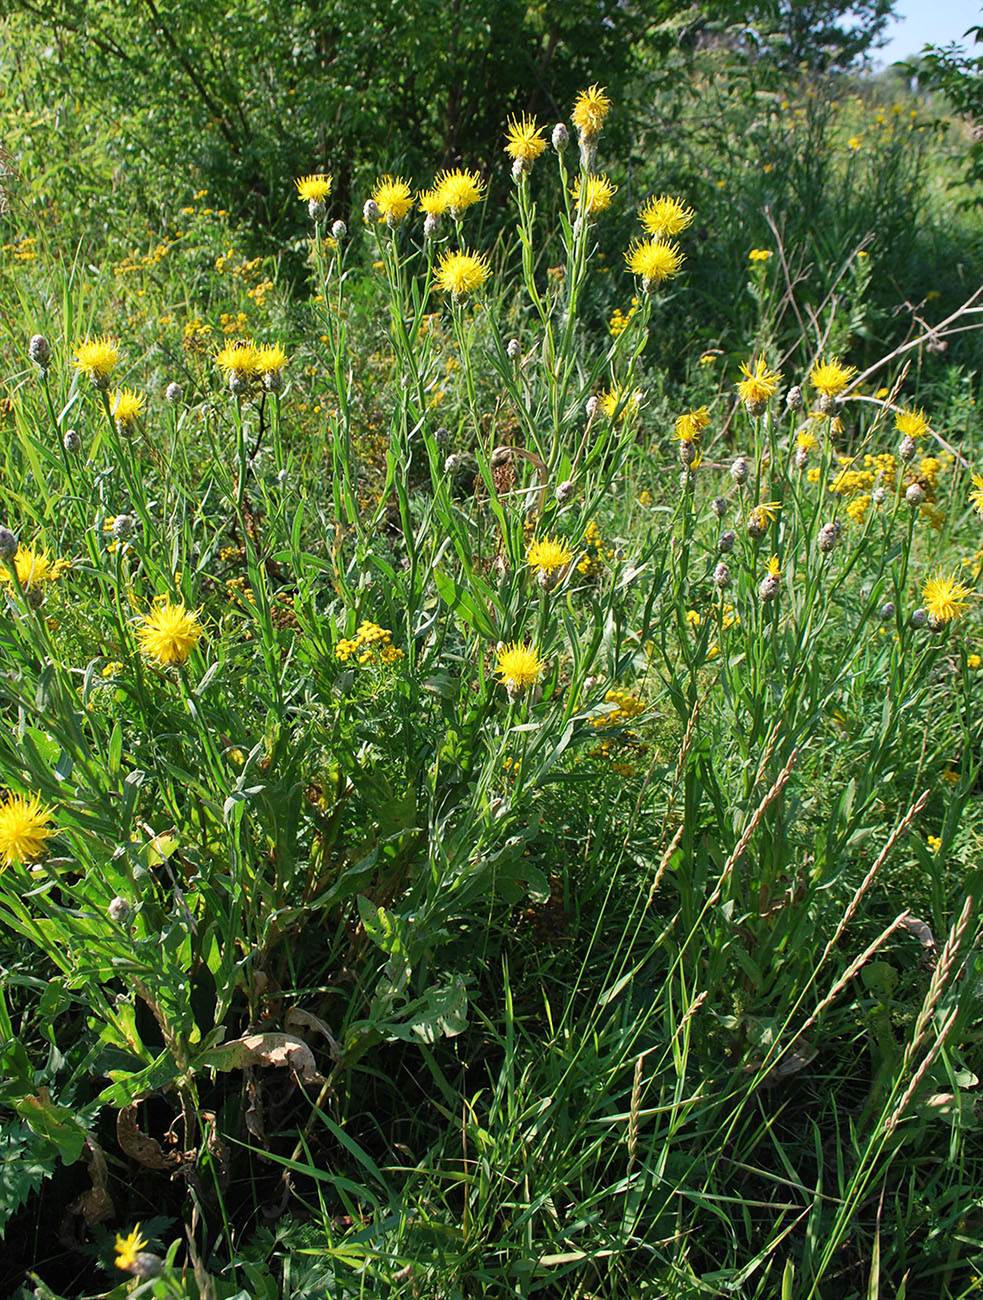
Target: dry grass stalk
940	978
780	782
919	1075
851	970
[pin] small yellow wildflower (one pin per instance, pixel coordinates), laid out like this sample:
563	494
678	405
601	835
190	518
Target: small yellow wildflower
126	407
654	260
591	108
393	197
973	661
316	187
665	216
854	142
169	632
547	556
592	196
774	567
763	514
518	666
691	425
24	827
934	843
759	255
461	273
707	358
911	424
524	140
945	597
976	496
432	202
620	402
34	568
97	358
459	190
128	1248
238	359
806	441
270	359
830	377
758	384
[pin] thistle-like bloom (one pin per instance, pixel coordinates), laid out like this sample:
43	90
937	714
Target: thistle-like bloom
665	215
591	108
523	139
128	1248
519	666
269	359
758	384
655	260
976	496
316	187
35	568
546	556
126	407
432	202
945	597
24	827
911	424
763	514
830	378
461	273
169	632
593	195
97	358
459	190
393	199
774	567
620	401
238	360
691	425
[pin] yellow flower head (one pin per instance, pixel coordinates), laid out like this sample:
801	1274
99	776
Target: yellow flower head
774	567
519	666
854	142
462	273
546	555
759	255
269	359
126	406
758	384
34	568
911	424
591	108
128	1248
830	378
238	359
523	139
393	197
97	358
976	496
24	827
665	215
459	190
691	425
593	194
806	441
763	514
945	596
316	187
169	632
620	401
432	202
654	260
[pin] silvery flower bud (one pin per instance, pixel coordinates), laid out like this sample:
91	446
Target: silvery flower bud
39	351
273	381
592	405
370	211
565	491
8	544
519	170
72	442
514	350
827	403
829	535
719	506
687	451
560	137
339	231
453	462
238	384
317	209
918	618
146	1266
123	526
793	398
174	393
721	576
915	494
431	225
769	588
725	542
888	611
879	495
908	448
441	436
755	409
739	471
801	458
119	911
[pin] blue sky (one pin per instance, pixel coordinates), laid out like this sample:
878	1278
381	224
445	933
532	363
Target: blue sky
929	21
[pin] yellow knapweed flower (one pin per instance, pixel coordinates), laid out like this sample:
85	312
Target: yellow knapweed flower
545	556
758	384
126	406
432	202
619	400
945	596
518	666
169	632
462	273
238	359
459	190
774	567
655	260
24	827
911	424
830	377
97	358
591	108
691	425
806	441
665	215
593	194
128	1248
393	197
34	568
523	139
763	514
854	142
976	496
316	187
269	359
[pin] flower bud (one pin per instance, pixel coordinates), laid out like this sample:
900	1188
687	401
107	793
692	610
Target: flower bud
719	506
908	448
739	471
801	457
317	209
72	442
123	526
769	588
756	409
827	403
888	611
721	576
561	137
174	393
339	231
8	544
915	495
453	462
793	398
370	211
441	436
725	542
829	535
119	911
565	491
918	618
592	405
39	351
431	225
514	350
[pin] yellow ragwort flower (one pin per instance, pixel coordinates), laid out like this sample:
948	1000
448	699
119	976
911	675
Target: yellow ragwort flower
830	377
593	194
976	496
523	139
945	596
461	273
911	424
126	406
546	555
654	260
591	108
238	359
393	197
459	190
24	827
518	666
758	384
97	358
665	215
759	255
128	1248
169	632
316	187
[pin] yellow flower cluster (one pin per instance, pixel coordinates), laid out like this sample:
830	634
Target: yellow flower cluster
619	321
596	553
370	642
658	258
626	707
